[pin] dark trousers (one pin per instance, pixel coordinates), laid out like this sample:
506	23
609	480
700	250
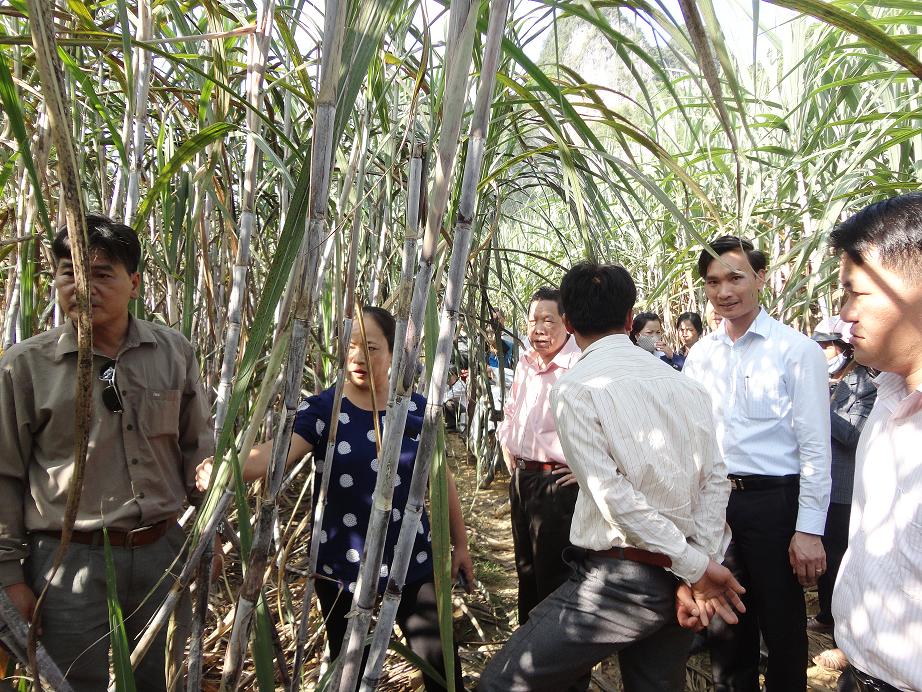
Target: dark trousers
835	542
607	606
541	516
763	523
854	680
417	616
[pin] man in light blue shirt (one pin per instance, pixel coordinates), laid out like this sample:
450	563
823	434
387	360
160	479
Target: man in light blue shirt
770	401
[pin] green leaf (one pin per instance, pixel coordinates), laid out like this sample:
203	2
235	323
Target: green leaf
183	155
11	106
121	651
859	27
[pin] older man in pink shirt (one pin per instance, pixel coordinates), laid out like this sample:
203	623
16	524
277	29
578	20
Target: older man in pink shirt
542	491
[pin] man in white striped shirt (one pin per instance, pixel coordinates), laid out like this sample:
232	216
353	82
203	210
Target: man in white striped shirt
877	602
770	400
639	438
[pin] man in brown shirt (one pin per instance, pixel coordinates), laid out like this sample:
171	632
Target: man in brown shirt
149	428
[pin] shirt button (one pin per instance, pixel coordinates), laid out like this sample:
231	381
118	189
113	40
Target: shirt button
134	461
130	426
141	495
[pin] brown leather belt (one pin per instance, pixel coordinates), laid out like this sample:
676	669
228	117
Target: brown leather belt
635	555
532	465
118	538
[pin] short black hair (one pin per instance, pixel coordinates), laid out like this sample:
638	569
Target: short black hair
385	322
692	317
640	321
119	242
893	227
726	243
547	293
597	297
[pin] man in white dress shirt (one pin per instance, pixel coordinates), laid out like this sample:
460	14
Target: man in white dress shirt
649	516
770	400
877	602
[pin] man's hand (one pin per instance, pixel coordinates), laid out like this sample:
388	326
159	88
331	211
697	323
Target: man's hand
564	476
461	562
808	559
24	600
718	592
203	474
686	610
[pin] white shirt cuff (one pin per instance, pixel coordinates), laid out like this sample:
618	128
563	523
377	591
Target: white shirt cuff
811	521
691	565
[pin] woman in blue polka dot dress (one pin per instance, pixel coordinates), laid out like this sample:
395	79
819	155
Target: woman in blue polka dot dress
353	473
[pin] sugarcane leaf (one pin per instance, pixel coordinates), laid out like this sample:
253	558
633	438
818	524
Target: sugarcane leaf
861	28
185	153
369	20
118	636
13	110
263	651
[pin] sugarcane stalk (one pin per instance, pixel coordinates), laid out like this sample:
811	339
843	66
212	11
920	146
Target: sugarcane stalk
306	267
14	633
257	51
144	61
462	23
48	65
200	613
256	65
447	327
408	265
324	468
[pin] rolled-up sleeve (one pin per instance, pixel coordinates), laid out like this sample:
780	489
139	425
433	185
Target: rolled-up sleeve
196	435
15	450
712	534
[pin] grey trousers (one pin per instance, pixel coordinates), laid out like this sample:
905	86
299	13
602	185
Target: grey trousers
75	617
607	606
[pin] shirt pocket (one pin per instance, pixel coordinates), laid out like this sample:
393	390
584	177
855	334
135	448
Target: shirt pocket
763	393
160	412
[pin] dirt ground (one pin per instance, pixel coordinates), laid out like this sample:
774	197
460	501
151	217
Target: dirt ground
485	618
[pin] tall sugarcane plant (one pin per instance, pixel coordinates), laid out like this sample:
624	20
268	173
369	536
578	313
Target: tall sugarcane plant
447	329
462	22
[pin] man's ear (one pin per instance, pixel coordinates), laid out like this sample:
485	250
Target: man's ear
629	321
135	285
566	323
760	279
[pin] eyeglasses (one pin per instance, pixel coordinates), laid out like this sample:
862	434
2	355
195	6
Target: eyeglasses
110	396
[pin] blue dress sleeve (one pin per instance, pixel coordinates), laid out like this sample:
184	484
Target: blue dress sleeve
313	419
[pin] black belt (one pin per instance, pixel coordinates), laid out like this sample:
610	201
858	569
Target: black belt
762	482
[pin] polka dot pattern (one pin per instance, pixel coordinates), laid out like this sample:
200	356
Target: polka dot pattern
354	469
